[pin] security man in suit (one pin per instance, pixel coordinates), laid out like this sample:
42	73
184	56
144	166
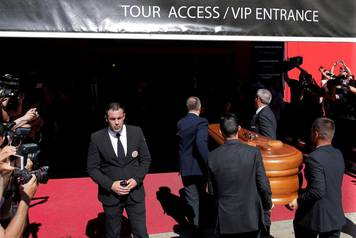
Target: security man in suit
239	183
192	132
118	160
319	209
264	121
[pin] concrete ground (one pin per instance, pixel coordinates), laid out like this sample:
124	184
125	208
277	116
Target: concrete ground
279	229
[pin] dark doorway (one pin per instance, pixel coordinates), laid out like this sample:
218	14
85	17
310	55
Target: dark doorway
152	78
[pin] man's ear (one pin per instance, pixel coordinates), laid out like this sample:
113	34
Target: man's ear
317	134
106	118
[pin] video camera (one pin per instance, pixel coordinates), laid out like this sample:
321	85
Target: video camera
13	137
29	151
22	175
6	93
292	63
18	135
23	152
9	85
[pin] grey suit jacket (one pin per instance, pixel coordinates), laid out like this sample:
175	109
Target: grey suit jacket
240	185
265	123
320	206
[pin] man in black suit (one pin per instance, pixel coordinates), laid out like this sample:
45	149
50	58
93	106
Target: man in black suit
193	153
264	121
118	160
319	209
238	180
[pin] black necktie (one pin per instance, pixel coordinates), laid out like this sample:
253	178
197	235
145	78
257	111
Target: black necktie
120	148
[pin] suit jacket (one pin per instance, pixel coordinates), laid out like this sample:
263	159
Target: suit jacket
265	123
193	144
104	167
240	185
320	206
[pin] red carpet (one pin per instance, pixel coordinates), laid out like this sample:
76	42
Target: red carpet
69	207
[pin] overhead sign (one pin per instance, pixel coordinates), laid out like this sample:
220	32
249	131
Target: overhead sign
288	18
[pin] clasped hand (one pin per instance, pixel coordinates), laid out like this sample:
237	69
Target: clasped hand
123	190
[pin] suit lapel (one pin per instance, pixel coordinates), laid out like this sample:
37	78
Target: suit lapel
129	142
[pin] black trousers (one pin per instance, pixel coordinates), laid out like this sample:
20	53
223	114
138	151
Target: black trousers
252	234
194	192
136	212
303	232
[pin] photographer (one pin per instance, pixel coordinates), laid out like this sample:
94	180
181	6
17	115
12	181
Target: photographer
13	191
16	226
4	114
305	100
18	183
344	71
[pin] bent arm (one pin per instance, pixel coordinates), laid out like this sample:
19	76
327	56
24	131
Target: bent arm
263	185
352	89
316	183
17	224
265	126
145	160
30	115
94	166
202	140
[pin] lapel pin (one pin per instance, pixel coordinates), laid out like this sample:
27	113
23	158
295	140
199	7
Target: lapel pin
134	154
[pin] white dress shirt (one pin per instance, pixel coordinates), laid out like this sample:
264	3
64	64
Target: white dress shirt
123	139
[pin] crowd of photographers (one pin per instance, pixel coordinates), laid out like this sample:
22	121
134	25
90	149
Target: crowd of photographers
19	175
333	97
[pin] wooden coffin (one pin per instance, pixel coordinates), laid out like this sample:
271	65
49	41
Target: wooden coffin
281	162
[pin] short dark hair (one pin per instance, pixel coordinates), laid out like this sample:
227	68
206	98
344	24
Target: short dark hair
325	127
229	124
115	106
193	103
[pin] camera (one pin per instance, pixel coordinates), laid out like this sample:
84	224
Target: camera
292	63
124	183
23	176
13	137
18	135
5	93
26	149
9	85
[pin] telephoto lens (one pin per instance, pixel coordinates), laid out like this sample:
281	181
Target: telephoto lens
23	176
